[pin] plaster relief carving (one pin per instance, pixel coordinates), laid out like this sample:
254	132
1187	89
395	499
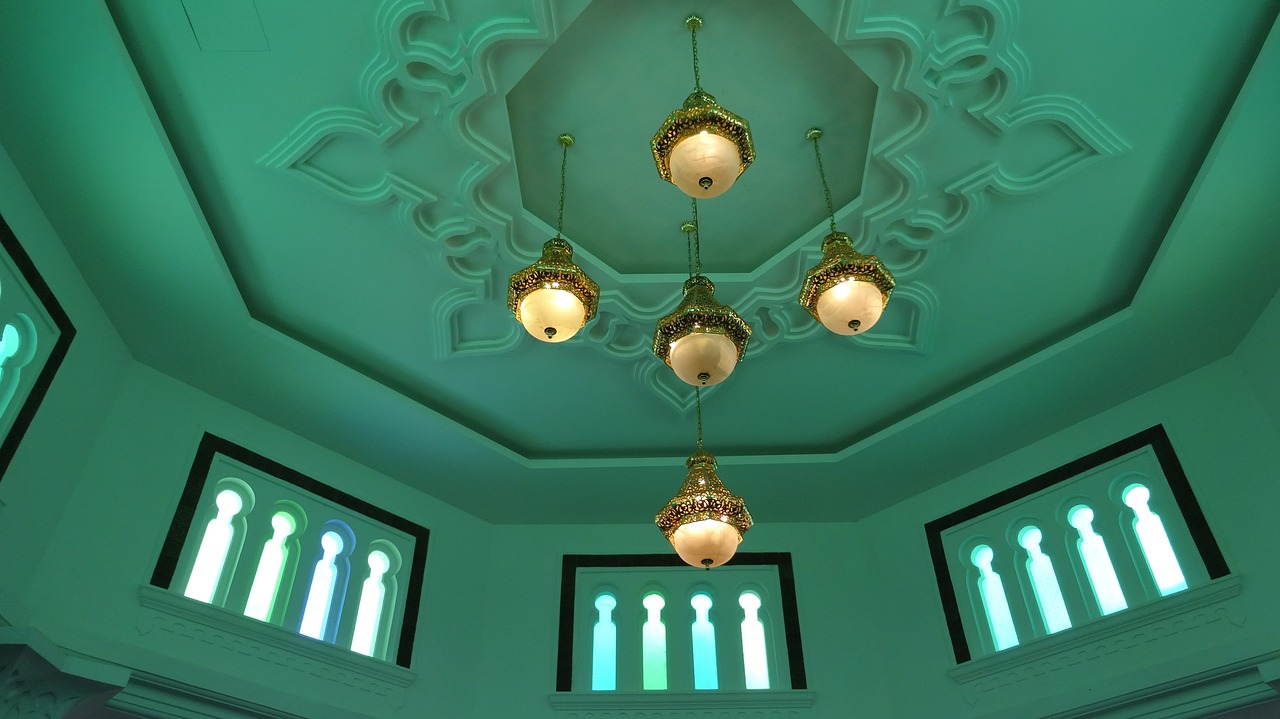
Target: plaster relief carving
432	84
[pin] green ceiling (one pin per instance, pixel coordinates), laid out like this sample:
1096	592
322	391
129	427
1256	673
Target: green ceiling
311	210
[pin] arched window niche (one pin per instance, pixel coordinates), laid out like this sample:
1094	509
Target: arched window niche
376	604
1095	539
277	563
328	554
216	553
18	342
678	630
287	526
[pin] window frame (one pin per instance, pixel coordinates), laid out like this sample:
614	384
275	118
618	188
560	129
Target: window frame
189	507
57	317
1153	437
568	595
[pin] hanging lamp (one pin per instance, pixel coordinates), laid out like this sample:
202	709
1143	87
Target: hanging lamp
702	147
704	521
553	298
847	291
701	340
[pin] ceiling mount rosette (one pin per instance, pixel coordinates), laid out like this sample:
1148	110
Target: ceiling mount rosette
700	323
704	506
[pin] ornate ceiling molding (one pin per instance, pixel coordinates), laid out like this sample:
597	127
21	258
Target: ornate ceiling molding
966	65
435	71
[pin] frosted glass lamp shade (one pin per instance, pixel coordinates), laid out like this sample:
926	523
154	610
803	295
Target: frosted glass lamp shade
707	543
703	358
705	165
552	315
851	307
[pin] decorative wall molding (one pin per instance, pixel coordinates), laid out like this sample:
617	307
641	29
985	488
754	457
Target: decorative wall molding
679	705
243	638
157	697
1216	605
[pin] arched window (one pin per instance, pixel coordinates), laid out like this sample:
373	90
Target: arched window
654	643
271	567
705	671
276	565
17	348
373	595
639	622
994	601
1044	581
324	579
1154	541
215	546
1097	561
755	658
604	646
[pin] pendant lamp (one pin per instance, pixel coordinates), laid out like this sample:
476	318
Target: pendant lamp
701	340
702	147
704	521
846	291
553	298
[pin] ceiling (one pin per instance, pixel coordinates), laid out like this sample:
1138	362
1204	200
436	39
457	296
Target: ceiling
310	208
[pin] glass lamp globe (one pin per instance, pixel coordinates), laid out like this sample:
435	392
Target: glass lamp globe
552	314
706	543
850	307
705	165
703	358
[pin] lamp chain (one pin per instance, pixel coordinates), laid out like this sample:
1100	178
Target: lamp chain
697	78
697	244
831	213
564	163
688	246
697	393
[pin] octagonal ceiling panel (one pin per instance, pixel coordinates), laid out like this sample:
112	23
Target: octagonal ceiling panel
372	175
612	78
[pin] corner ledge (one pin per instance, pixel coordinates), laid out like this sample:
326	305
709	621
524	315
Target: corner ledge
176	614
1042	654
682	703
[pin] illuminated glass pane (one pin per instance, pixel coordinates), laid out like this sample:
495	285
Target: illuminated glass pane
373	593
755	662
10	343
604	646
705	672
994	601
1044	582
1097	562
315	616
212	555
266	580
1154	541
654	644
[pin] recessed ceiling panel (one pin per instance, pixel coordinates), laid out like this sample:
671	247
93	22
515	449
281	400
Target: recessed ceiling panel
623	66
